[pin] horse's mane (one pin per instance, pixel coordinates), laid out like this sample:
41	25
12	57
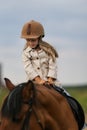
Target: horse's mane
12	104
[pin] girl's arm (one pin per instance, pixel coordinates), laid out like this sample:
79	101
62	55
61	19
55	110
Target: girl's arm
29	69
52	73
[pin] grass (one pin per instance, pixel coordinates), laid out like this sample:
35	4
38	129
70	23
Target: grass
3	93
80	94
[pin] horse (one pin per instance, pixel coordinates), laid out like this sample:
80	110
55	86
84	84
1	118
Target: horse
30	106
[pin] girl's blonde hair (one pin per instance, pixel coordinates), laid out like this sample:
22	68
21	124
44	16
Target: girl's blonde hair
49	49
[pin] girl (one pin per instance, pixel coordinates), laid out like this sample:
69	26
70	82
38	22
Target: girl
39	57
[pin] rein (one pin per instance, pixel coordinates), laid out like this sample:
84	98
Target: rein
29	112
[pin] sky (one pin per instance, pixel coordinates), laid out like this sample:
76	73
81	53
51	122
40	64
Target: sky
65	25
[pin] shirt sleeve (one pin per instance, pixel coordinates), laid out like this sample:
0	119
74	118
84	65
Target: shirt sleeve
29	69
52	69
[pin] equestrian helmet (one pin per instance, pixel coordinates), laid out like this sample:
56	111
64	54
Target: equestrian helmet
32	29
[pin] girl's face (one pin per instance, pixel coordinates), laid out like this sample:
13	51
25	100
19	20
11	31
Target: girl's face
32	42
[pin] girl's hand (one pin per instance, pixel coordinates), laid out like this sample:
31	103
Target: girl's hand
38	80
50	80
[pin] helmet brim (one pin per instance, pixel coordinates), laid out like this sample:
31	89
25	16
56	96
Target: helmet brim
30	37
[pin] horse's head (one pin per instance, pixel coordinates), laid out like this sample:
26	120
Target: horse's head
17	103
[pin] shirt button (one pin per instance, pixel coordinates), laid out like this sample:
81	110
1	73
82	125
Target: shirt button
38	68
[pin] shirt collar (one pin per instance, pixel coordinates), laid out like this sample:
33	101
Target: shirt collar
28	49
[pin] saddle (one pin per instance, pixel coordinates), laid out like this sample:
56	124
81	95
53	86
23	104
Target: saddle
75	106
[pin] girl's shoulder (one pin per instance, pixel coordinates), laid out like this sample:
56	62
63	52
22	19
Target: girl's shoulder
26	48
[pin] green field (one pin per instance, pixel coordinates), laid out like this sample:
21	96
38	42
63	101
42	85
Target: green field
79	93
3	93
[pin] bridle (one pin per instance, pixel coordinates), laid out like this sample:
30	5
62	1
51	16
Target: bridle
30	110
30	103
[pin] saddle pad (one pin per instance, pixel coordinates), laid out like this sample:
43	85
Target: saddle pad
77	111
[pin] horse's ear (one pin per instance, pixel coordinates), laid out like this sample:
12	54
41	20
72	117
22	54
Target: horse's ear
9	84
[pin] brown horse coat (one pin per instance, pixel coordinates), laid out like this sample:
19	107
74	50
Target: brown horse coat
41	108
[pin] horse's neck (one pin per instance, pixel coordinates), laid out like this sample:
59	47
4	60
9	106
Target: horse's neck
47	97
45	107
